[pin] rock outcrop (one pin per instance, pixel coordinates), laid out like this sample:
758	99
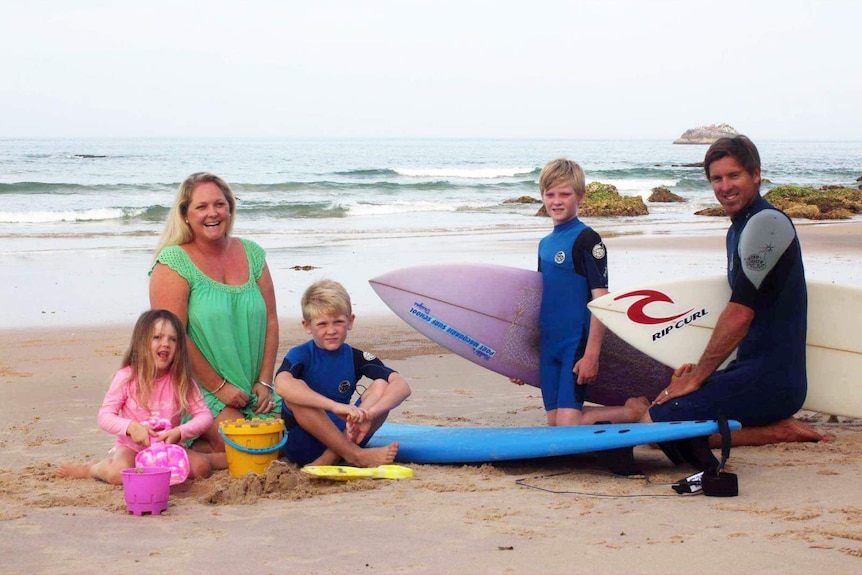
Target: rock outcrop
706	134
662	194
605	200
826	203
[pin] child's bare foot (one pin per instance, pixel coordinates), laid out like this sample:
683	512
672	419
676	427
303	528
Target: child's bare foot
75	471
637	407
374	456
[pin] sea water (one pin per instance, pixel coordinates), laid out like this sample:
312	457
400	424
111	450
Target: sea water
79	218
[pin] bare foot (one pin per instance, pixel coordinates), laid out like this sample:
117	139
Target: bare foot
328	457
75	471
374	456
788	430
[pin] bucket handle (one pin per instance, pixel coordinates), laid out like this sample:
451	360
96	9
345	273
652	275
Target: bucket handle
255	450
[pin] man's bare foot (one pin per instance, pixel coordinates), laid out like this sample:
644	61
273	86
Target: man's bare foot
75	471
788	430
374	456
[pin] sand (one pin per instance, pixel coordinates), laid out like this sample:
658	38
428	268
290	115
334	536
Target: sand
799	509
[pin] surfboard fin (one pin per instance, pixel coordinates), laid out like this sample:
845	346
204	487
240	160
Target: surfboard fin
620	461
695	451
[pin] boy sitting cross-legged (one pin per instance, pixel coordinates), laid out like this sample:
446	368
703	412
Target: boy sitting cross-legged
317	380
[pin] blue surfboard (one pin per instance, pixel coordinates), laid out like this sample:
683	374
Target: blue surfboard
430	444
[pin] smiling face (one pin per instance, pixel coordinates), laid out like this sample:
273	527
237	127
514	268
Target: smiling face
163	346
733	186
329	331
561	203
208	213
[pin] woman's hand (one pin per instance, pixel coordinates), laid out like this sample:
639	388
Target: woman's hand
232	396
265	402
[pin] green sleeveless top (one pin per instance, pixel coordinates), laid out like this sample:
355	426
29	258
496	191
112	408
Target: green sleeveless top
227	323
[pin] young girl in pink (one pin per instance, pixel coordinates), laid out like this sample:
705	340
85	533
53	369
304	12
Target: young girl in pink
154	383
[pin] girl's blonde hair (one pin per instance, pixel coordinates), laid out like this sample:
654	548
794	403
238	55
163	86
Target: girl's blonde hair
177	231
325	296
563	172
139	356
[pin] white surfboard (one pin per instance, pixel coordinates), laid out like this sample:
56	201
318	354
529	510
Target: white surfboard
672	322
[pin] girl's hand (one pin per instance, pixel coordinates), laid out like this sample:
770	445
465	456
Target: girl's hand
517	381
140	434
170	436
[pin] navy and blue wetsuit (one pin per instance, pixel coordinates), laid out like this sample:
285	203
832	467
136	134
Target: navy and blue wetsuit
573	262
333	374
767	380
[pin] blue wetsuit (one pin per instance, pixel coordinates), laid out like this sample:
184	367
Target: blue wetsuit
767	380
333	374
573	262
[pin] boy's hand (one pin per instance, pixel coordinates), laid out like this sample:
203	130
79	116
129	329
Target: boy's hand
140	434
357	431
517	381
349	413
586	369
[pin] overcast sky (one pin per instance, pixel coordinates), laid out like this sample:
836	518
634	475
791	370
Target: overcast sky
784	69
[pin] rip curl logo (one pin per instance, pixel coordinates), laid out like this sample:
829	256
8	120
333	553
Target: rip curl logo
599	251
344	386
560	257
755	263
636	312
368	356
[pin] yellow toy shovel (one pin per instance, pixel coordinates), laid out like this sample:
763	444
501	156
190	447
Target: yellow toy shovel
344	473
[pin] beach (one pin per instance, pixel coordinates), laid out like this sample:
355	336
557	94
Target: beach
799	509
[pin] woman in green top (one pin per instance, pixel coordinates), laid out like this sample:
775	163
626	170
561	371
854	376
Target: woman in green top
221	288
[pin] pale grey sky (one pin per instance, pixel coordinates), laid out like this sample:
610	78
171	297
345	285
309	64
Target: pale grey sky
783	69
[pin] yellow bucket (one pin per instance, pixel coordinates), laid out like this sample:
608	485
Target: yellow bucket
251	444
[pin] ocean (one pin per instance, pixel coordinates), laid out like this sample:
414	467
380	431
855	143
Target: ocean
79	218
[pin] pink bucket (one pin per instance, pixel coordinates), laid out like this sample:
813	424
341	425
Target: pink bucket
147	490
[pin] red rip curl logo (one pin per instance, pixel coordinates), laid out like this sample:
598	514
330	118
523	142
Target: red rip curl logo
636	312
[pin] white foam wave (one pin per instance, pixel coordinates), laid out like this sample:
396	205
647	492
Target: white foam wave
470	173
45	217
364	209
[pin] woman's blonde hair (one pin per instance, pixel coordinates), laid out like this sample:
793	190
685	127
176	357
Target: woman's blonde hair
139	356
563	172
177	231
325	297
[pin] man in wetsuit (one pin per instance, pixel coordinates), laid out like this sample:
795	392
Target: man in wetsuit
765	319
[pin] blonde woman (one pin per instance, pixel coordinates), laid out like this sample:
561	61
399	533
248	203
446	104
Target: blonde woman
221	289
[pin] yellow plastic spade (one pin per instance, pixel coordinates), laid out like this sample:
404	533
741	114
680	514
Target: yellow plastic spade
344	473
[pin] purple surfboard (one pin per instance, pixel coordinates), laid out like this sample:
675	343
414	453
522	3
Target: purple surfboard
489	314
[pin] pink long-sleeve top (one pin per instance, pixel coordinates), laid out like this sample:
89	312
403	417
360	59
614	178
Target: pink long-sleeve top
120	408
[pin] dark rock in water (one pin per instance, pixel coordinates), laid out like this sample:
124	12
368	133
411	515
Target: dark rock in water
706	134
716	211
523	200
89	156
662	194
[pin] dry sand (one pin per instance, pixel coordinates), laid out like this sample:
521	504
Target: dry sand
799	508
